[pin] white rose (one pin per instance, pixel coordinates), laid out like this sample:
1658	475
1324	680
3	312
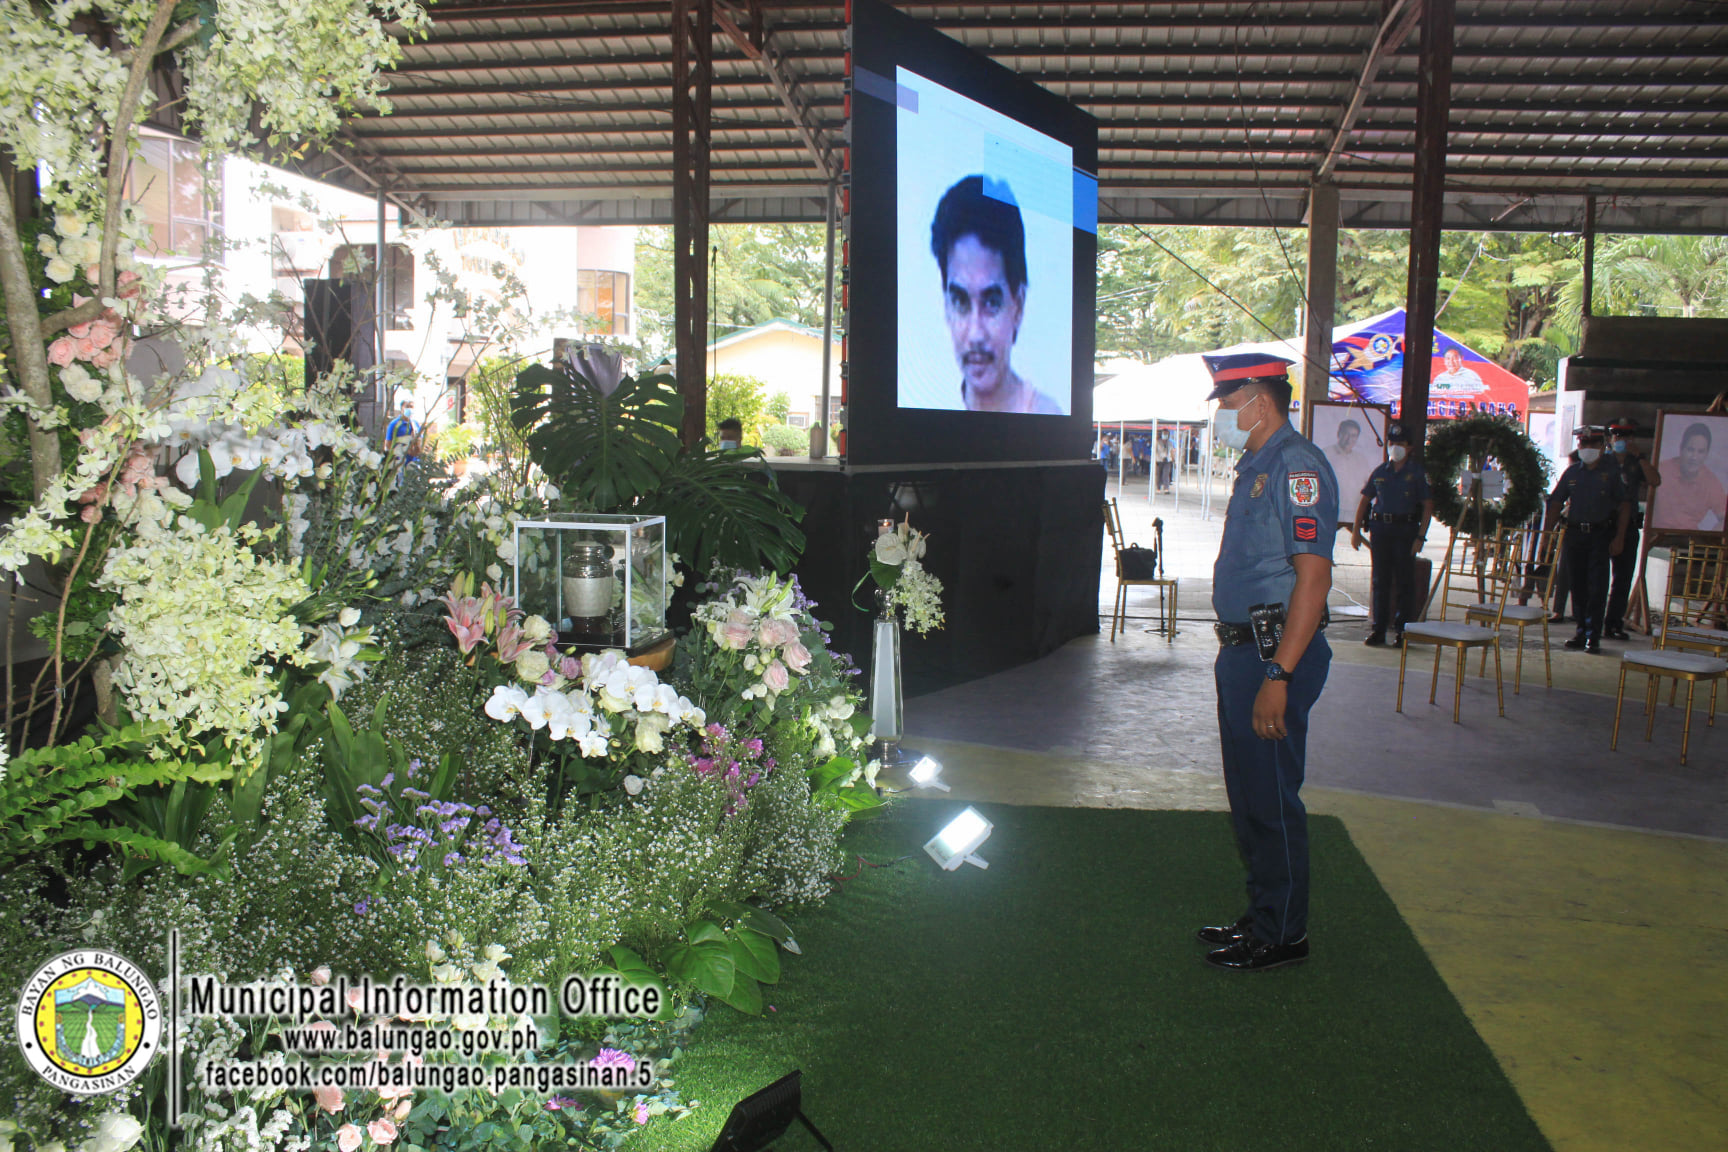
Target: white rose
60	270
348	617
536	630
45	244
507	551
115	1132
69	224
80	385
494	573
633	785
532	665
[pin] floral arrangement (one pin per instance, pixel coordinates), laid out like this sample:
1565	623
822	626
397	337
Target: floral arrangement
906	588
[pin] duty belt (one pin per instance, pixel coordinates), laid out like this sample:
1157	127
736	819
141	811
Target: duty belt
1230	635
1395	517
1586	529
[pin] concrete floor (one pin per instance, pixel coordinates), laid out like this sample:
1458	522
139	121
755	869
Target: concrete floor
1574	899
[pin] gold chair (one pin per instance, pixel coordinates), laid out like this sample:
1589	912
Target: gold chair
1533	556
1125	580
1697	579
1473	576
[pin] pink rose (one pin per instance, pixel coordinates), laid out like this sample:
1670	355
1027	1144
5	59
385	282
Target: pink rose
106	357
735	636
61	352
80	331
329	1098
356	998
83	349
797	656
102	333
402	1110
381	1131
321	975
90	514
776	677
321	1026
641	1113
775	632
348	1138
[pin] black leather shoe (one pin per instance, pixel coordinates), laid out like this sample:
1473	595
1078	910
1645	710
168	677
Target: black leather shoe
1376	639
1250	955
1227	933
1397	640
1593	646
1616	634
1576	642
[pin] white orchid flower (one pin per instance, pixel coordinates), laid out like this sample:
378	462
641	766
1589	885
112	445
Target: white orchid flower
506	702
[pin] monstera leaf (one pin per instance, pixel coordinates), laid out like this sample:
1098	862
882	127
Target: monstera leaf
602	449
724	505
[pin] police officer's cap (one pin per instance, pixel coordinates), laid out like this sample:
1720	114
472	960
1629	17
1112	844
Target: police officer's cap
1396	433
1239	369
1587	433
1625	426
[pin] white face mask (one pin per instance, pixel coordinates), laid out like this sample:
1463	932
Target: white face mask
1397	452
1589	455
728	443
1227	428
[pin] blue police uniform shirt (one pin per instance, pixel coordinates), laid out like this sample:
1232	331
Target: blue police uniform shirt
1396	491
1285	503
1595	493
1632	475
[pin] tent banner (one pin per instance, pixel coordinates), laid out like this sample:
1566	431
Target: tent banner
1368	365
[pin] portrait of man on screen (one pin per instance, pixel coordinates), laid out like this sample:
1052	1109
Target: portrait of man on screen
979	242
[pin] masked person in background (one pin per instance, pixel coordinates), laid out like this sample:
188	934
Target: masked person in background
1269	589
731	433
1396	507
1639	476
1597	514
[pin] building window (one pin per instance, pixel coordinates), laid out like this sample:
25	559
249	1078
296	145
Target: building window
180	206
798	419
358	261
603	302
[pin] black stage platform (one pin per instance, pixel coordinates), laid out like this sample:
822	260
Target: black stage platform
1016	546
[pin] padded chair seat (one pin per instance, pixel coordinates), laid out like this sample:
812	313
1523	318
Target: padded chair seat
1695	634
1528	613
1443	632
1689	662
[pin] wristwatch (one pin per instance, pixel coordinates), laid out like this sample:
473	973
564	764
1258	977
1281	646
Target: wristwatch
1275	671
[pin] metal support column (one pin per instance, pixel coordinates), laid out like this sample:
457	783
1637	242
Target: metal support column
1427	209
1322	296
1589	253
379	270
692	98
820	439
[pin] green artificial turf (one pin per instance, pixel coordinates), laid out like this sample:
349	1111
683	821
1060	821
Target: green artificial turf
1058	1001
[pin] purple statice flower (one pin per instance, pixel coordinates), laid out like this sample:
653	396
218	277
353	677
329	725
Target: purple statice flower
414	767
416	794
364	906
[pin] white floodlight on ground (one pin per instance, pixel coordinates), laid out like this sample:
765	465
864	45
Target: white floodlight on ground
926	774
959	842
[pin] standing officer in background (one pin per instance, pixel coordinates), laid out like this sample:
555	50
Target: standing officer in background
1597	513
1639	476
1274	567
1397	507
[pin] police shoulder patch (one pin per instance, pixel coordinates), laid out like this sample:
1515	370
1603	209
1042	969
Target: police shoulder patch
1304	489
1307	528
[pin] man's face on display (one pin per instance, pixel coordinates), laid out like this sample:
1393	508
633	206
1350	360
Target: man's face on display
1693	452
1453	360
983	315
1347	436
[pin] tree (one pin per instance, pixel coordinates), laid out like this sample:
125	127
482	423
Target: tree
738	398
74	86
779	407
1658	275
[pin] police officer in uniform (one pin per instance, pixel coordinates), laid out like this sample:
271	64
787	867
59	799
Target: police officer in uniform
1275	561
1396	506
1640	476
1597	514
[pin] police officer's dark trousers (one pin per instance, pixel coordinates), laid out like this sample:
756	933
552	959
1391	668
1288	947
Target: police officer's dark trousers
1263	779
1391	547
1624	566
1587	556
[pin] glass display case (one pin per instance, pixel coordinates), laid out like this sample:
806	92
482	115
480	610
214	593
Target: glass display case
601	579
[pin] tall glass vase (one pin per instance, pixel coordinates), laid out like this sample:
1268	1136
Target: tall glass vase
887	710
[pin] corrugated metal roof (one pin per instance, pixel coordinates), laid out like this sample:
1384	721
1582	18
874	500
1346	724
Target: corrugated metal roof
1205	103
